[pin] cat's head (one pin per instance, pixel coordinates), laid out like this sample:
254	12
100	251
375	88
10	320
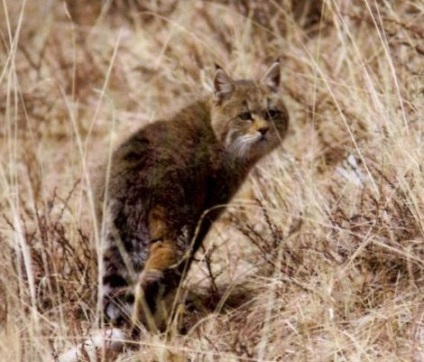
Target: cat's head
249	117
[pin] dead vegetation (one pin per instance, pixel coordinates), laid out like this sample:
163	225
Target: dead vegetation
322	261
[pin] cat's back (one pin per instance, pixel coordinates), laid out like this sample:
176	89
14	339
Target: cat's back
173	140
164	155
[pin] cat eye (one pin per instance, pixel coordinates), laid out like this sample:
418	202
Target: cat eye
246	116
272	113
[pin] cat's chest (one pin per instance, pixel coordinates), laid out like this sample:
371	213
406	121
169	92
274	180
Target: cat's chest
210	186
199	186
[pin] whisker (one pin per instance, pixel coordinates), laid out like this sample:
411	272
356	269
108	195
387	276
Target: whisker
241	145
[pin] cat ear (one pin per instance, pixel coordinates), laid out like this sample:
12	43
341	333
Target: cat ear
272	76
223	85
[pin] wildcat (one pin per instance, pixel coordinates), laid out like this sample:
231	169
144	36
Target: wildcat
169	181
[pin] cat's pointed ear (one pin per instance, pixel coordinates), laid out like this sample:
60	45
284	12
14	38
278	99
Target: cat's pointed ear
223	85
272	76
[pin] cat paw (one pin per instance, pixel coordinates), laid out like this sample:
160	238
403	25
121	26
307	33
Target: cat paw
149	277
146	293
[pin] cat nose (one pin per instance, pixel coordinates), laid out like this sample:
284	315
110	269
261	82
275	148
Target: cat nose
263	130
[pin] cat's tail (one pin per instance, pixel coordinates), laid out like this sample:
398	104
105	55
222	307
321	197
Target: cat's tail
101	344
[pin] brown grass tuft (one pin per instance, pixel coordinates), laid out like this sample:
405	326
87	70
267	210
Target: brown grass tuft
322	258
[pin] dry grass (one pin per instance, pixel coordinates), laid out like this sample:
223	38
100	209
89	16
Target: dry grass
324	261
